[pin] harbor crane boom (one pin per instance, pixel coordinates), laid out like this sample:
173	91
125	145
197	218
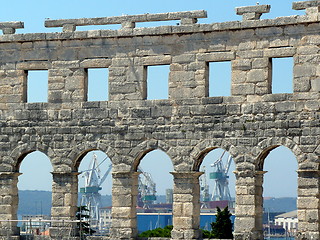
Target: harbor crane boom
220	176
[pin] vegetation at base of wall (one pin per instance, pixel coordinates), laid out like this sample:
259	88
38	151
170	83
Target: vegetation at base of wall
222	227
158	232
206	234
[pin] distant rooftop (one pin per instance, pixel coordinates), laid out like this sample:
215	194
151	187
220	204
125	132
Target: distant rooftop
292	214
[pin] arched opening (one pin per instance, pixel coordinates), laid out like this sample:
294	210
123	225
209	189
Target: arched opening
95	191
35	193
217	185
279	191
155	191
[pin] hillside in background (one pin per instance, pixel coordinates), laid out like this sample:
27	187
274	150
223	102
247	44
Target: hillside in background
285	204
39	202
33	202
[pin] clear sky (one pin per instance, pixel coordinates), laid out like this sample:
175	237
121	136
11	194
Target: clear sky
33	13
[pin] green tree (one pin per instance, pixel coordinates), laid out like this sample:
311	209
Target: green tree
222	227
83	226
158	232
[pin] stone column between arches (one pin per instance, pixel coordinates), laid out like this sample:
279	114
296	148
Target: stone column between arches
64	204
124	201
9	205
186	205
308	205
249	205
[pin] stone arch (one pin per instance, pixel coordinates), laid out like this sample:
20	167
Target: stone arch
204	147
77	154
147	146
263	148
21	151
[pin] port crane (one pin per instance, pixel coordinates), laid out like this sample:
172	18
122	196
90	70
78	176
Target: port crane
204	188
93	179
147	189
220	176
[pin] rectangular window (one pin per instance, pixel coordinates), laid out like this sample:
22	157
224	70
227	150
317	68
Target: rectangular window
219	79
37	86
157	81
98	84
282	75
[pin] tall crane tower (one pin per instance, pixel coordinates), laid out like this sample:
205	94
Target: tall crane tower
220	176
204	187
93	180
147	190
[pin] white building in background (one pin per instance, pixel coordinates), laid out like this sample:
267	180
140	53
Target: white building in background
35	224
105	219
289	221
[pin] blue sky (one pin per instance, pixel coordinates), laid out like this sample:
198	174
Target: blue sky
33	13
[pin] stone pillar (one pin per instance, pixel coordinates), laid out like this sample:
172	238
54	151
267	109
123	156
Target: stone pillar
308	205
124	201
64	204
249	205
186	205
9	204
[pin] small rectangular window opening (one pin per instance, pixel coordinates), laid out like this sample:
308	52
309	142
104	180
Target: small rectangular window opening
219	79
157	82
37	86
98	84
282	75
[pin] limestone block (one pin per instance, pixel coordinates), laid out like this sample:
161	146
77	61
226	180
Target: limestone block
307	203
123	201
123	212
305	4
124	223
58	199
245	190
272	31
155	60
244	223
250	54
260	63
243	89
279	42
285	107
178	208
252	12
257	75
191	234
69	28
177	234
96	63
315	85
182	222
62	211
66	64
216	56
280	52
184	58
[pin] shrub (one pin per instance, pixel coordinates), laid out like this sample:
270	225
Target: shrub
222	228
158	232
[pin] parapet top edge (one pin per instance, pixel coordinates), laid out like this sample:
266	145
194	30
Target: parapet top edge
128	18
163	30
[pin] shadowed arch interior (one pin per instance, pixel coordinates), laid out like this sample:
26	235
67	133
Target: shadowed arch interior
262	157
199	160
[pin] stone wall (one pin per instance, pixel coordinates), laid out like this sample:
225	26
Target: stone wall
248	124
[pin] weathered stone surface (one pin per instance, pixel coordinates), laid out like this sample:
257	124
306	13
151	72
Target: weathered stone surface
248	123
